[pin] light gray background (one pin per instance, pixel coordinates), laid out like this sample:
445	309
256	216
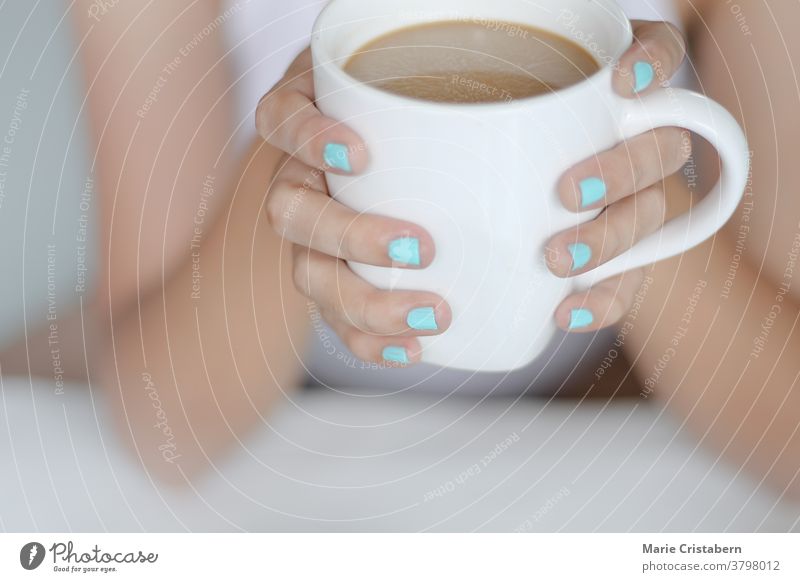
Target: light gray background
49	163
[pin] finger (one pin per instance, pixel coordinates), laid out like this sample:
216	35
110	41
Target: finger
348	299
630	167
310	218
616	230
287	118
601	306
655	56
394	352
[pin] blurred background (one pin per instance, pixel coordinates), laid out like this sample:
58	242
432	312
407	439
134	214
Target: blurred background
325	460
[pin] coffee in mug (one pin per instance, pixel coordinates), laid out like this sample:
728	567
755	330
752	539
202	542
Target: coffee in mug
459	61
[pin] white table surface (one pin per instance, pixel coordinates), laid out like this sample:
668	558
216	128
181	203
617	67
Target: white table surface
338	462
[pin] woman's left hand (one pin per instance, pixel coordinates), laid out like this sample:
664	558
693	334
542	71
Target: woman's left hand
627	182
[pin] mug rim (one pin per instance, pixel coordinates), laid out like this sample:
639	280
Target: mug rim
322	59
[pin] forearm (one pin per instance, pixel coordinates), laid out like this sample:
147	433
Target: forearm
149	159
719	345
734	375
203	361
160	114
160	110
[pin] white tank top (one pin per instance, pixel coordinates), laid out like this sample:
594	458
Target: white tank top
263	38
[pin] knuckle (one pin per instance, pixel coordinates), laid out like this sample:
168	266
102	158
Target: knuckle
274	208
371	310
611	300
264	115
674	147
337	303
618	169
618	307
336	310
614	243
680	40
638	173
347	244
352	339
357	236
300	275
360	345
638	161
308	130
297	280
650	217
285	201
667	44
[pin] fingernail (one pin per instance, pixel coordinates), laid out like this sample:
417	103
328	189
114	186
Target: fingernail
423	319
580	318
581	254
395	354
643	74
405	250
592	190
337	156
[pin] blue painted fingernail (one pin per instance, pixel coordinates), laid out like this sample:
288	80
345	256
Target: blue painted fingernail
395	354
580	318
581	254
405	250
423	319
643	74
337	156
592	190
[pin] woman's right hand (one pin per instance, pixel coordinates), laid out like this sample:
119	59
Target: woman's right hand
376	325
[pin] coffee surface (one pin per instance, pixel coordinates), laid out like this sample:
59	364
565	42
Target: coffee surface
471	62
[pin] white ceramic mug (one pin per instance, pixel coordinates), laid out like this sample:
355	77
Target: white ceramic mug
481	178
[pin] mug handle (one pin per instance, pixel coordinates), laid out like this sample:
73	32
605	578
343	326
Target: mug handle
689	110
